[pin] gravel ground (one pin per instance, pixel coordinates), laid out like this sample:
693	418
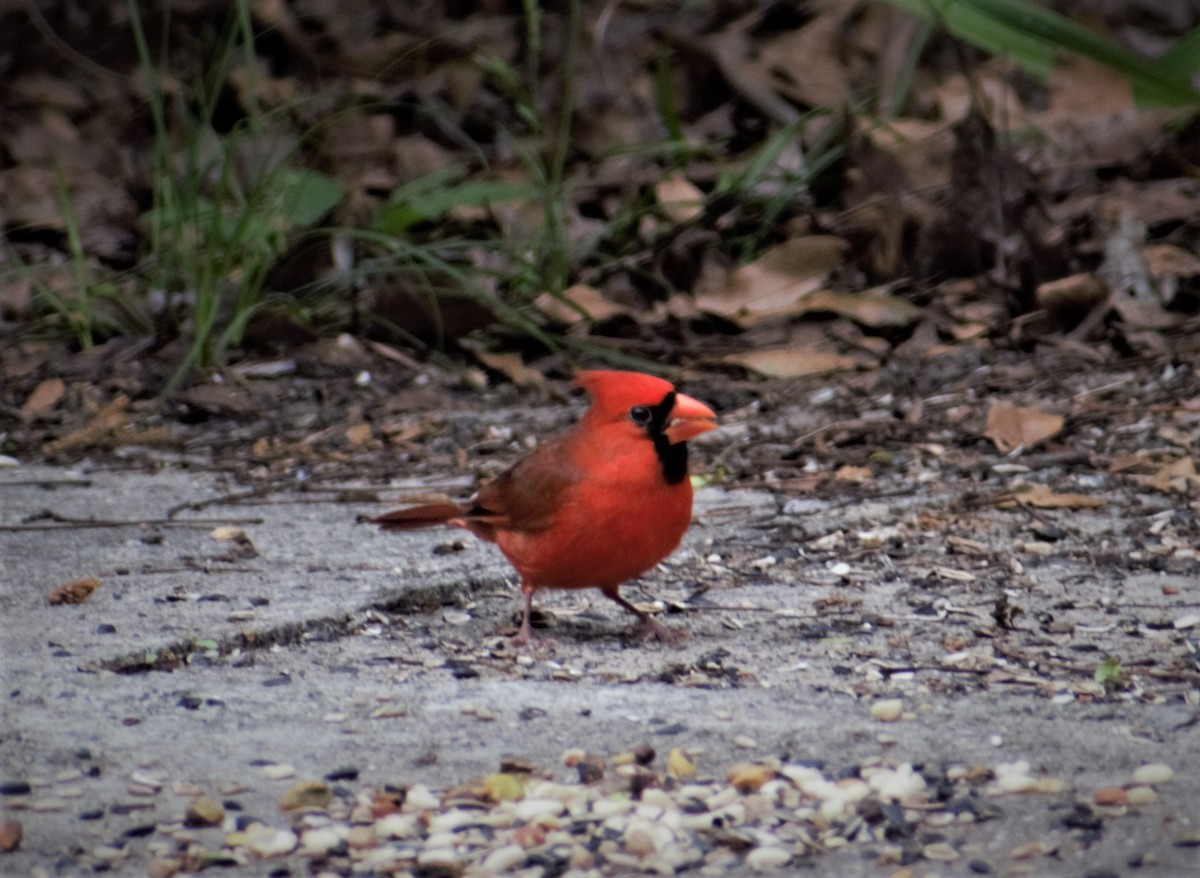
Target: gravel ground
900	686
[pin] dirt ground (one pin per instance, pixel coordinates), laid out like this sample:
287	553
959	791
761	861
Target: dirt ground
873	592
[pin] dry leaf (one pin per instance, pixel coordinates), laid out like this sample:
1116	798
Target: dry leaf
1078	292
791	362
74	592
1043	497
512	366
358	435
873	309
101	428
678	198
777	282
1174	478
44	397
855	474
588	300
1011	426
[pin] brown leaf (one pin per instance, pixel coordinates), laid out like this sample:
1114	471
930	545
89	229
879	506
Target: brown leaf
588	299
44	397
778	281
856	474
513	366
1176	477
74	592
1080	292
1010	426
873	309
791	362
679	198
1043	497
100	429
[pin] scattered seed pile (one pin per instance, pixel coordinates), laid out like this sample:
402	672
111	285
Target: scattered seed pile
633	813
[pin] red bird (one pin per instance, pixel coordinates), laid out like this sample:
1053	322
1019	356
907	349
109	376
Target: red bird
598	505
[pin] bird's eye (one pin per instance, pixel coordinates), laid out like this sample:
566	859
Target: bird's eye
640	415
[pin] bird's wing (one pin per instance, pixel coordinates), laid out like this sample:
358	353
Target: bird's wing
527	496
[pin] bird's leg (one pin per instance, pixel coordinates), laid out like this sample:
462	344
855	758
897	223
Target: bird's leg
525	635
650	626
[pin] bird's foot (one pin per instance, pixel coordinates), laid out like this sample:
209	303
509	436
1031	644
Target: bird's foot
649	628
524	641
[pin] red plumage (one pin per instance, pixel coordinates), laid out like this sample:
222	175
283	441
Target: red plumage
598	505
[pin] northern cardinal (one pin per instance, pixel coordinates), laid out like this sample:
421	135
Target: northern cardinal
598	505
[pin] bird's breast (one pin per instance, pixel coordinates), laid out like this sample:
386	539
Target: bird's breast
604	533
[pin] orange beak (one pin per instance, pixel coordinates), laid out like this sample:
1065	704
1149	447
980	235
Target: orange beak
689	418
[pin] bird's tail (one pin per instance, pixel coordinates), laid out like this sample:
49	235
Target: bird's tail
415	517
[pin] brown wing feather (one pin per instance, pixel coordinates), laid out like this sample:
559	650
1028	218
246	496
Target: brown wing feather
527	496
419	516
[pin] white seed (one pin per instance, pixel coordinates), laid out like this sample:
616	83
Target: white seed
889	710
768	859
503	860
1141	795
1153	773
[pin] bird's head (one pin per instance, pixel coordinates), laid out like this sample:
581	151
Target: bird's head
649	407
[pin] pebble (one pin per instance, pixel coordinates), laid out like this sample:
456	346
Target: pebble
1153	773
15	788
888	710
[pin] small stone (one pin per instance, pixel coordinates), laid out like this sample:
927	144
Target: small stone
745	742
980	867
888	710
768	859
306	794
15	788
278	771
1111	796
1153	773
11	832
203	811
